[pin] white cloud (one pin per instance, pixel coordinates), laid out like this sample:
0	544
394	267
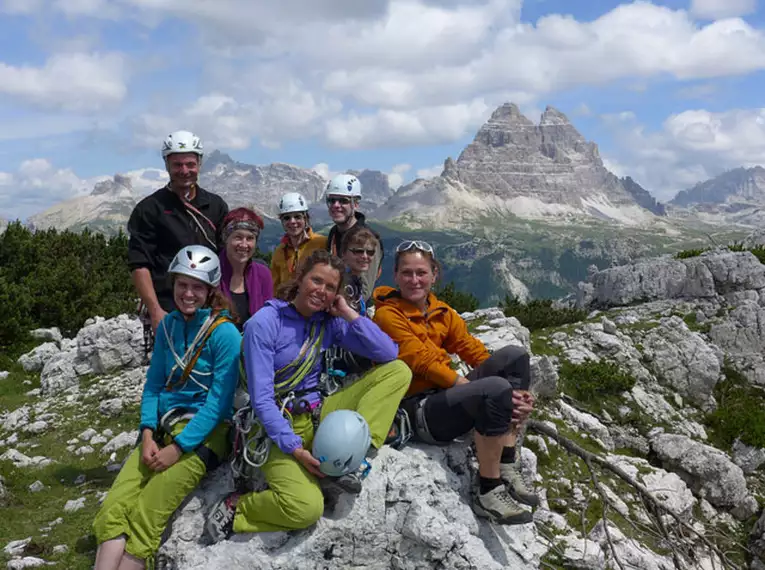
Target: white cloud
70	81
397	175
717	9
425	73
21	6
323	170
37	184
431	171
690	147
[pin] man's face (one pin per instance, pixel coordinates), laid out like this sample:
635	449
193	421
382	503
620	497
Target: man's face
183	169
340	207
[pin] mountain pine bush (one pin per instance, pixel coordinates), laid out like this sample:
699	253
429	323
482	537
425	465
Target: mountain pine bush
540	313
51	278
460	301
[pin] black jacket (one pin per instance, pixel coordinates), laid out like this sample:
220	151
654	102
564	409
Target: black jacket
160	226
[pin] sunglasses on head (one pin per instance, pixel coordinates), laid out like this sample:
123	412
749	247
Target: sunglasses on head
288	217
415	244
360	250
342	200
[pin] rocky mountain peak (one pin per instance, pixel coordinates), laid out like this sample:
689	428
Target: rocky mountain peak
737	185
116	186
552	162
552	116
216	158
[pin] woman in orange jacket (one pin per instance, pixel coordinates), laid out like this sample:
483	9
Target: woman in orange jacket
298	241
493	398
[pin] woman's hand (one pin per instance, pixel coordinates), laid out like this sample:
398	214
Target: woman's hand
341	308
149	447
461	380
165	458
308	461
523	405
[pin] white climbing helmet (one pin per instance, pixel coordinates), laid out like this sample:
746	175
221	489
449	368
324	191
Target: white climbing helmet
199	262
182	141
344	185
341	442
292	202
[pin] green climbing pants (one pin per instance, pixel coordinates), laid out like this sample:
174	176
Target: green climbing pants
141	501
294	499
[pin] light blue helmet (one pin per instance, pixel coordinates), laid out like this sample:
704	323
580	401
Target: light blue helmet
341	442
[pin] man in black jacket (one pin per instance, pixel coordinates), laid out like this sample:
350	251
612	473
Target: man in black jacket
173	217
343	196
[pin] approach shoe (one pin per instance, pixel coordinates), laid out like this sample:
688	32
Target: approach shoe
500	507
350	482
511	476
220	521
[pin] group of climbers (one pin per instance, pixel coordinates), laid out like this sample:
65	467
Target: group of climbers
326	380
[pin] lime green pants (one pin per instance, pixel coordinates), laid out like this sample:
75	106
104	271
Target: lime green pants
294	499
141	501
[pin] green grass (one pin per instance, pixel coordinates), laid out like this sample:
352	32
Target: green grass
740	412
26	512
593	382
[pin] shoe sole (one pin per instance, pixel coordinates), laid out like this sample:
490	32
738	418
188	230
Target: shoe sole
524	518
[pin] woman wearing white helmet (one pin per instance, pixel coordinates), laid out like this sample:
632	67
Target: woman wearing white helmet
298	241
283	347
186	400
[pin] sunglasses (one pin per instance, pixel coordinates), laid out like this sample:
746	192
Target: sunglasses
296	217
343	201
415	244
361	250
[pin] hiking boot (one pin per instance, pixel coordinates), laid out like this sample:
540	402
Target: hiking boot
510	473
500	507
220	521
350	482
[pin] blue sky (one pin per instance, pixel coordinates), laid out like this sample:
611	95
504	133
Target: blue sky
671	91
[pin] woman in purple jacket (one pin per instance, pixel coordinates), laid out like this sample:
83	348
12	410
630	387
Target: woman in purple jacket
292	333
244	280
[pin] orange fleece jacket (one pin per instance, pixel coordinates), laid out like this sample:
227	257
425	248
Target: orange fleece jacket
426	340
285	259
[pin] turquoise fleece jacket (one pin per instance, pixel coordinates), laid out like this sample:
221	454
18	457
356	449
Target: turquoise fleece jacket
217	369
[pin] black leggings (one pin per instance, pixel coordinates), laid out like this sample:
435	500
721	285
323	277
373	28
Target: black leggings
485	403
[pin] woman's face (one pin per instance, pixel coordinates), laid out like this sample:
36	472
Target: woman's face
317	290
189	294
293	223
359	257
240	246
414	277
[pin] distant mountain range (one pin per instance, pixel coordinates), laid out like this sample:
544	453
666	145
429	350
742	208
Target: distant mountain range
525	208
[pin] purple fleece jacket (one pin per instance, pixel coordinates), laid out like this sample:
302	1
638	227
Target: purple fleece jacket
257	282
272	339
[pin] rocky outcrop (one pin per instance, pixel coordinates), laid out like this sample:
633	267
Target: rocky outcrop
413	512
100	347
708	471
710	275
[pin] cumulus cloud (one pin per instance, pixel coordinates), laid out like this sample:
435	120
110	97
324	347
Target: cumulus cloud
717	9
36	184
431	171
690	147
427	73
68	81
397	175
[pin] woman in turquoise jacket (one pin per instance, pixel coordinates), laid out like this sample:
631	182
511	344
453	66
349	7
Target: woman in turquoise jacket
188	394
